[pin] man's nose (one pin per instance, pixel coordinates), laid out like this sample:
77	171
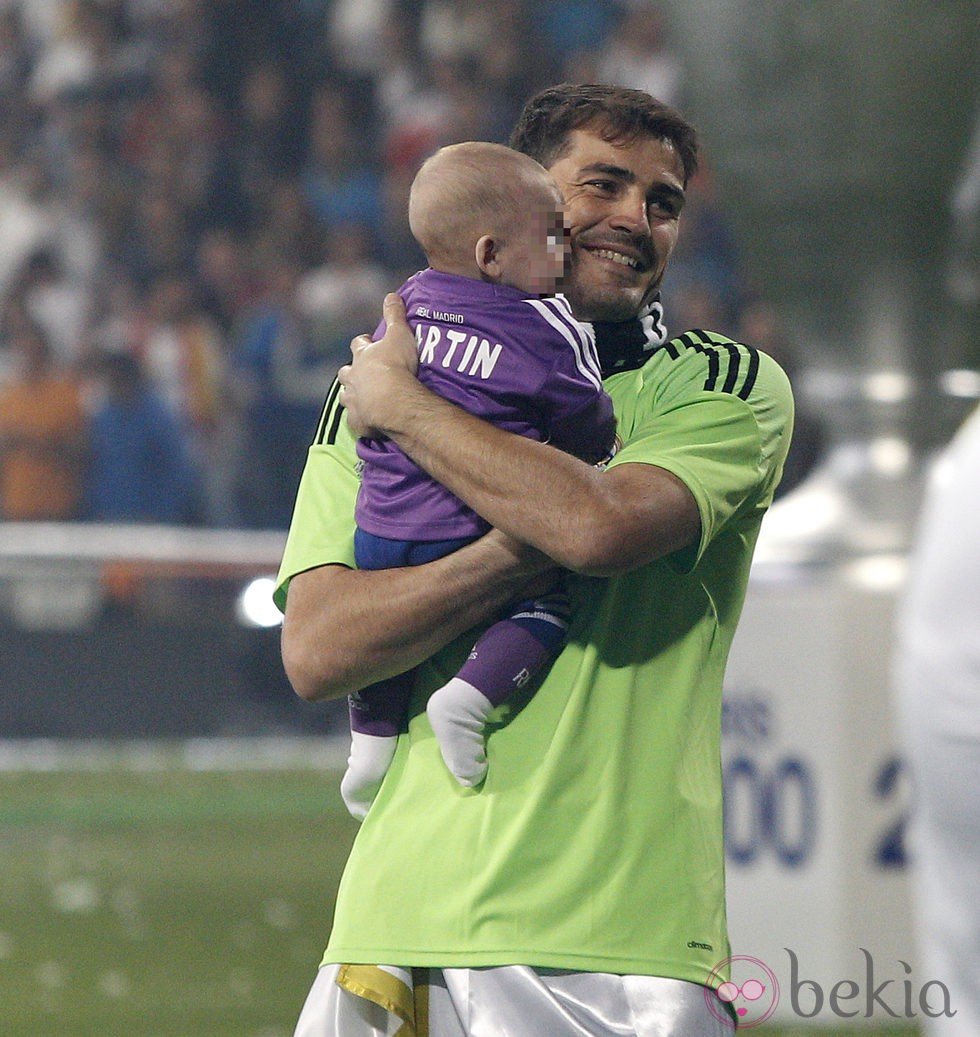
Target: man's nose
631	213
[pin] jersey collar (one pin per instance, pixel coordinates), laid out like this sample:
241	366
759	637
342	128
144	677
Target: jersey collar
627	345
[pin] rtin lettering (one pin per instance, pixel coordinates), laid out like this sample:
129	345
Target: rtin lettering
477	358
846	991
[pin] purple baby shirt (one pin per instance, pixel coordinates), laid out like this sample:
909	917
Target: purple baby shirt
519	361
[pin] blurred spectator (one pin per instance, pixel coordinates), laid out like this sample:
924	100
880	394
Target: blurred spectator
25	223
74	54
121	322
14	55
93	213
510	69
637	53
706	266
457	30
80	188
339	179
342	298
140	469
226	282
157	238
184	360
232	37
176	139
399	250
400	88
568	30
42	430
90	50
452	100
183	357
288	225
279	381
266	146
356	33
170	76
56	303
469	106
697	304
460	70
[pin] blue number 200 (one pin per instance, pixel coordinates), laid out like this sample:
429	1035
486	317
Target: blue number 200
769	809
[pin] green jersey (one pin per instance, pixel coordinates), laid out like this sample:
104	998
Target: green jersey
596	841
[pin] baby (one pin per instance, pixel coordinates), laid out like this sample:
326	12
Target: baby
494	339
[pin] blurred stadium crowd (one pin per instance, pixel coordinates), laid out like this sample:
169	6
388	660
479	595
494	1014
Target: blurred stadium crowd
203	201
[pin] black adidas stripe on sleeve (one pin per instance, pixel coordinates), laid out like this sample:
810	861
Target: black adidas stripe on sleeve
329	423
732	367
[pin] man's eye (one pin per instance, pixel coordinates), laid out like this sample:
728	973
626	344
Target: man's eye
665	207
670	203
603	185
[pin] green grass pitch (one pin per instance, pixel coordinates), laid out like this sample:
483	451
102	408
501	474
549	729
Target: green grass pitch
168	901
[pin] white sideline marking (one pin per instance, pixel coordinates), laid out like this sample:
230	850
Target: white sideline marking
194	754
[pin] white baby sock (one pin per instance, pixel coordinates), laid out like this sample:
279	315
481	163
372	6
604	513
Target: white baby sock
370	757
458	713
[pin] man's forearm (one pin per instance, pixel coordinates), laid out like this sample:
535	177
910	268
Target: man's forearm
528	489
345	629
594	522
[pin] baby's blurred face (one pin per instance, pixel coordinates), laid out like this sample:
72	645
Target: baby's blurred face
536	252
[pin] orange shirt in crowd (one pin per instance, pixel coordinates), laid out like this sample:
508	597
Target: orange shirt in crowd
42	425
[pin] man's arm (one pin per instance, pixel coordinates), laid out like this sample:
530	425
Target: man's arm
345	629
592	522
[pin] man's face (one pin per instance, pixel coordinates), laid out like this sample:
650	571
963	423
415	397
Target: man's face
622	205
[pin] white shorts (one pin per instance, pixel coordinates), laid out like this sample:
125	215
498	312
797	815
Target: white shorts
506	1001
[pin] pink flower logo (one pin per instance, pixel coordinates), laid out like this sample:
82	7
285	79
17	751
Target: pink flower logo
751	992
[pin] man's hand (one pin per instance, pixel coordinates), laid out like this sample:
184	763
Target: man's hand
380	374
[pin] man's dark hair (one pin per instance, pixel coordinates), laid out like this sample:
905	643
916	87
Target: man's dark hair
617	114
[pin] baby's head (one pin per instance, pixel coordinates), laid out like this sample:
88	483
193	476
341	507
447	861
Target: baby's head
485	211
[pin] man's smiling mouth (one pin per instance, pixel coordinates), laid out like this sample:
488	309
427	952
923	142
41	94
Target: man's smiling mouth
617	257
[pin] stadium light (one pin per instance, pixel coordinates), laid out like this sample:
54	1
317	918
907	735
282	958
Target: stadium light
889	456
962	383
255	607
885	573
888	387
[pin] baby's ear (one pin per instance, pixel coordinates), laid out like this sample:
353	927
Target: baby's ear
487	255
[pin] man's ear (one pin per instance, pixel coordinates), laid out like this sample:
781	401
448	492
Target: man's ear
487	255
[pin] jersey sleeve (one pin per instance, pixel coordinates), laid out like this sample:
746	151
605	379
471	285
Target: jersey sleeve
577	414
719	416
322	528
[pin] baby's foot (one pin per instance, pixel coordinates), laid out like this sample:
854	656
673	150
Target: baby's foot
458	713
370	757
